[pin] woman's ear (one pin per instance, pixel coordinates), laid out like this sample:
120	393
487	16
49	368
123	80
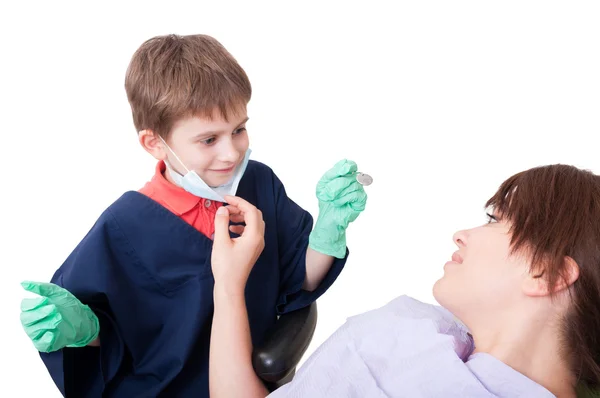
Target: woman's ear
152	144
536	284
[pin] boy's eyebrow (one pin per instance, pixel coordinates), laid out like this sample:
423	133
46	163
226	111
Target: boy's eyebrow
215	132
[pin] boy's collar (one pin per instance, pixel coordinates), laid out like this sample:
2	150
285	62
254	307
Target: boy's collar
178	199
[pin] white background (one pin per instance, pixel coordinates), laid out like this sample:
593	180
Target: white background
438	101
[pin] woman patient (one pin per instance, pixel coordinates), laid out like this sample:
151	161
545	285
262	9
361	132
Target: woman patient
519	315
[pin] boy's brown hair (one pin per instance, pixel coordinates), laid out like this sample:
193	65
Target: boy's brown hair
172	77
554	212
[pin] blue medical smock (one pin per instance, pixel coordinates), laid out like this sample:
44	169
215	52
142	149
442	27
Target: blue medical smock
147	275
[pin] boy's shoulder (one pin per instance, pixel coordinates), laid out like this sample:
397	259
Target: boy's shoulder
131	206
254	166
258	173
135	220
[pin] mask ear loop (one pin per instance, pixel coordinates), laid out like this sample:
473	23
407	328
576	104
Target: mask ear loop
174	154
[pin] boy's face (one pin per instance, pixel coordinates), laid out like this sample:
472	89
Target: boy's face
213	148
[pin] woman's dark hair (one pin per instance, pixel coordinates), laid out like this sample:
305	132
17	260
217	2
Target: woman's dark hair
554	212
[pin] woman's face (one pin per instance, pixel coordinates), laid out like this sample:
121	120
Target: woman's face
483	279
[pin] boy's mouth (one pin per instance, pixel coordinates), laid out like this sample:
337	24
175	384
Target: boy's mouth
224	171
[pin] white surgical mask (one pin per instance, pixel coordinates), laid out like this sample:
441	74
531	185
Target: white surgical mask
193	184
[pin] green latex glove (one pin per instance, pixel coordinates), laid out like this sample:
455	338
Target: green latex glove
341	199
57	319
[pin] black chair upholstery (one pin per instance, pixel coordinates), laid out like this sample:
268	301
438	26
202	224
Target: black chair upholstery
276	360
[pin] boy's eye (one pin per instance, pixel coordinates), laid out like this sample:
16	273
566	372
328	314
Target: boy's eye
211	140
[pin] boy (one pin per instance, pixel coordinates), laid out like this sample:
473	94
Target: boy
129	312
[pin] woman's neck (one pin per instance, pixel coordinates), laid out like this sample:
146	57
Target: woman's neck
530	345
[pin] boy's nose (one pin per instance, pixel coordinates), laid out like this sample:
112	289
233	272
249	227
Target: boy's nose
228	153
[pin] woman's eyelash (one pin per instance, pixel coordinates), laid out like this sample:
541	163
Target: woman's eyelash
491	217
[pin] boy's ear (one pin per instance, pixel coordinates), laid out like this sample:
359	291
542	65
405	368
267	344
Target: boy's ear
152	144
537	285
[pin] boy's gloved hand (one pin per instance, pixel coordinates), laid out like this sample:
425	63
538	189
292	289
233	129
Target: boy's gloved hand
341	199
57	319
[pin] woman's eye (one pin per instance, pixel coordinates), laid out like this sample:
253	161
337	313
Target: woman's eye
491	218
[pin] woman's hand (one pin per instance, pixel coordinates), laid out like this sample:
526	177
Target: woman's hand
230	365
233	259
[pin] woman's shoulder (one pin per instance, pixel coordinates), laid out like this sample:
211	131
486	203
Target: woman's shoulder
414	323
406	307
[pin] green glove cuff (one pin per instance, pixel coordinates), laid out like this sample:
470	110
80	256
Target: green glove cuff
93	328
328	239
